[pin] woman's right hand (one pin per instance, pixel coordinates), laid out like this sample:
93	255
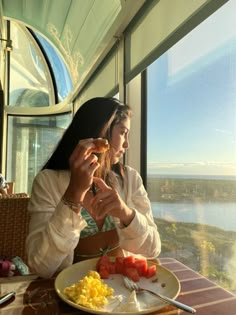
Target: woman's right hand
83	163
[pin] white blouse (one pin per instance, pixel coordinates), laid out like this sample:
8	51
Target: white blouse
54	229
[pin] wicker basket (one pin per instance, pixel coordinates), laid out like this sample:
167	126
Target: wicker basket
14	225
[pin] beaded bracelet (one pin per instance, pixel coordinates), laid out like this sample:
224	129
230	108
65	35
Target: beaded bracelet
71	204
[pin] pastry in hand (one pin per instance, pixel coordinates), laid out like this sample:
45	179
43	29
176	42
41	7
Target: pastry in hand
101	144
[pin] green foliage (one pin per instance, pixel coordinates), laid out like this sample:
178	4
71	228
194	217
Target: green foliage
183	189
204	248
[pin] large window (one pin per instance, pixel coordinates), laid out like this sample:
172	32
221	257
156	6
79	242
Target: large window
38	78
191	156
31	140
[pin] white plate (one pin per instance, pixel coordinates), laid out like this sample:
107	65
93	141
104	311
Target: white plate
167	284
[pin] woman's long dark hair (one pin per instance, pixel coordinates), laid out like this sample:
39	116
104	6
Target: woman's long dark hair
94	119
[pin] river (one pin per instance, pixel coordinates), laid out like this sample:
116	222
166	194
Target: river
222	215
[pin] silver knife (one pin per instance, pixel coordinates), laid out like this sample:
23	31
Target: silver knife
7	297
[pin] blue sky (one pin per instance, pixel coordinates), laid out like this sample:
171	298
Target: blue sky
192	101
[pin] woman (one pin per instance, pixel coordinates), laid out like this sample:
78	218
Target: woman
70	221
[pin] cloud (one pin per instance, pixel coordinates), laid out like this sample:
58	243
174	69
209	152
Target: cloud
227	132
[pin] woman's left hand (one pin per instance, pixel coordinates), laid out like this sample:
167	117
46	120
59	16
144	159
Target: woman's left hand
108	201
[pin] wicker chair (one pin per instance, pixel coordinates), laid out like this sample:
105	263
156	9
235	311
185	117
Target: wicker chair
14	222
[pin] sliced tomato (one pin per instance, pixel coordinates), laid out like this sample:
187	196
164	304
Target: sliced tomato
151	271
132	273
103	261
142	266
129	261
119	264
112	268
104	272
128	266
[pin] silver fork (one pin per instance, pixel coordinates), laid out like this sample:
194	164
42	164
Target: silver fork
131	285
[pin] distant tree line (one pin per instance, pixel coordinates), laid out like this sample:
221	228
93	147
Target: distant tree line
177	189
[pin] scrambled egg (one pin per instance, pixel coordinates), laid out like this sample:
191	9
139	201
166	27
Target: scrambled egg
91	291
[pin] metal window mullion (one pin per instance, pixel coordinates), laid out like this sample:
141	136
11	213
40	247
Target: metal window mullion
143	151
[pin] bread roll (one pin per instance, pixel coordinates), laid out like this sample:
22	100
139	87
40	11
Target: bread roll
102	145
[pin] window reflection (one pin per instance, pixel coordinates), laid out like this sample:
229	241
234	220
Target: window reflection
30	143
29	97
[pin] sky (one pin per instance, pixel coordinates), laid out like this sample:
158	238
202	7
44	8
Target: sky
192	101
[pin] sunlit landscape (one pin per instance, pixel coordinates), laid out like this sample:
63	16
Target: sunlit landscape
191	161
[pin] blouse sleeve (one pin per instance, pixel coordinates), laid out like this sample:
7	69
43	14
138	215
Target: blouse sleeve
141	236
54	229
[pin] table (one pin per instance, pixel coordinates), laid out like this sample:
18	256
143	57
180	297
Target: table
36	296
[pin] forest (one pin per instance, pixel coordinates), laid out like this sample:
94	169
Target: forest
187	189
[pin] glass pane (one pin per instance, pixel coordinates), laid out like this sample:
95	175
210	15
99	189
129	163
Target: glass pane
192	148
30	83
30	143
61	73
